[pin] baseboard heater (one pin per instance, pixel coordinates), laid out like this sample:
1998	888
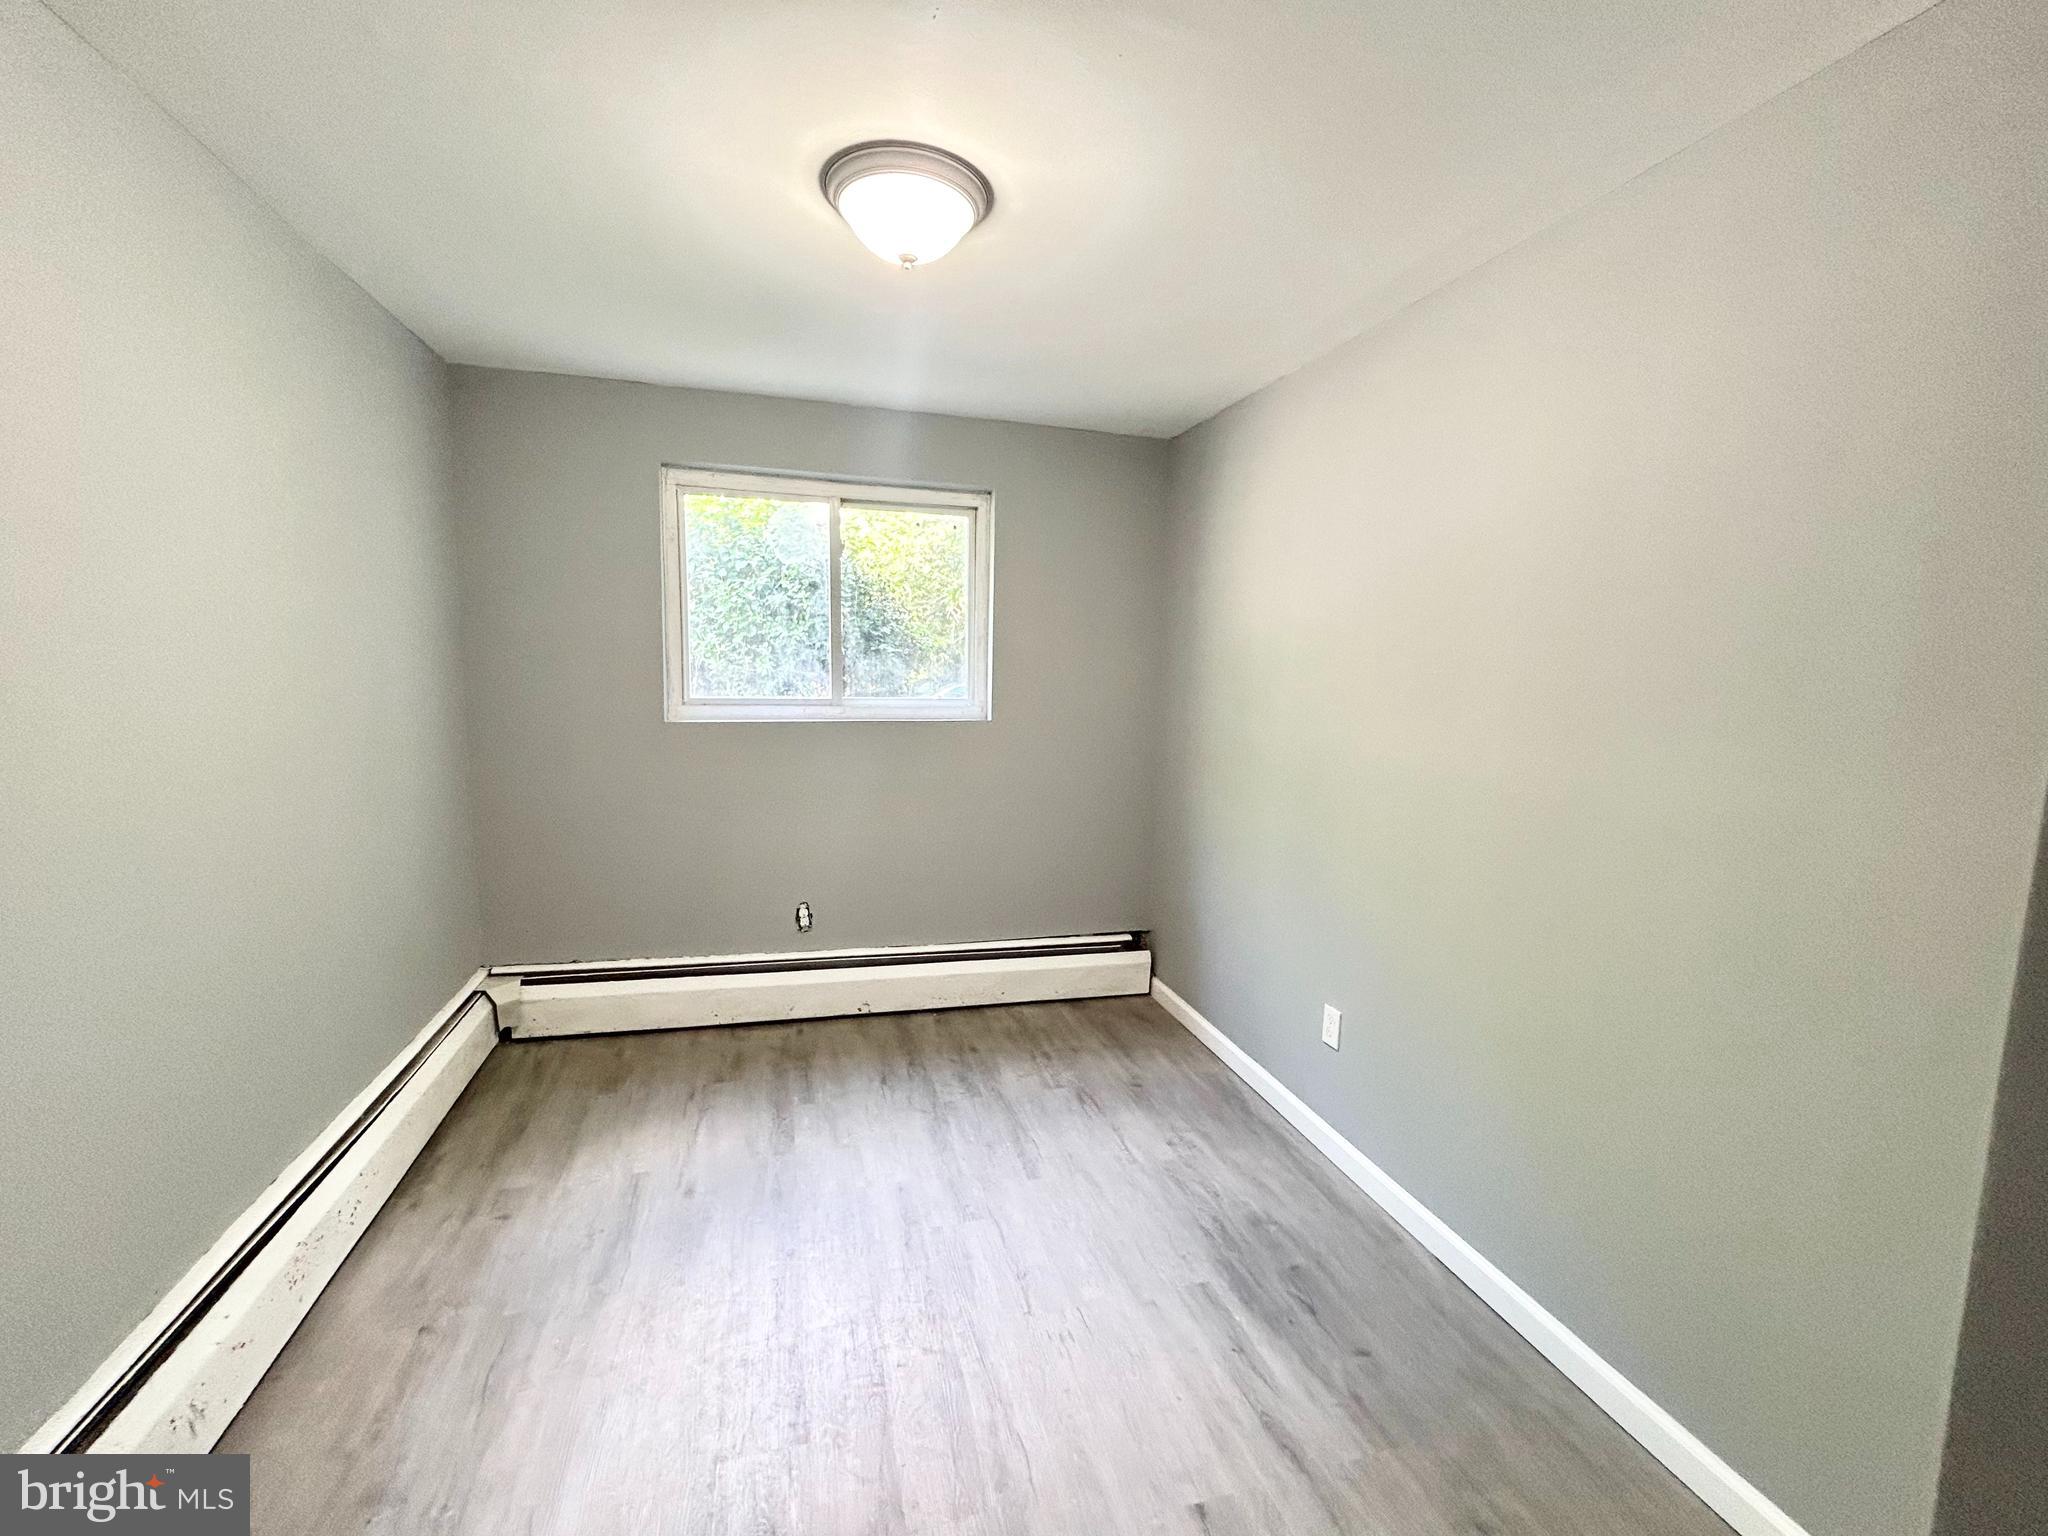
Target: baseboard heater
173	1385
626	996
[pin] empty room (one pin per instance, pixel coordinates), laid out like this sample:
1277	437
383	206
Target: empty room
862	768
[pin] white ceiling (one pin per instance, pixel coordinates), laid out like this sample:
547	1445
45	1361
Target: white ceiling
1194	197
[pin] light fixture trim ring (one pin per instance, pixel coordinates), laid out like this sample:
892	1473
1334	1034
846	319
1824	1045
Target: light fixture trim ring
875	156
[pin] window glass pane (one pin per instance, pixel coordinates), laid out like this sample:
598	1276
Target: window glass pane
903	595
759	571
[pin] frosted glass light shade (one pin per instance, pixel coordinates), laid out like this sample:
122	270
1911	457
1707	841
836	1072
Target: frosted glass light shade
908	203
904	217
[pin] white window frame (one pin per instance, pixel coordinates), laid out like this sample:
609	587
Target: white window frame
677	480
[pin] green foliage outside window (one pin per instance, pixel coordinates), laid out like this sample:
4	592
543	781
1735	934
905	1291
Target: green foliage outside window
903	597
760	595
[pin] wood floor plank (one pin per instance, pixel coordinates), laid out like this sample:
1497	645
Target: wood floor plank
1021	1271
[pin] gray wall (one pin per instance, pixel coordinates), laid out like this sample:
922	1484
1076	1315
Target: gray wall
236	868
1994	1473
606	832
1618	684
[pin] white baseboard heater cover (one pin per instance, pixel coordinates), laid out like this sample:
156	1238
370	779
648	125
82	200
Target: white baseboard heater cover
541	1002
176	1381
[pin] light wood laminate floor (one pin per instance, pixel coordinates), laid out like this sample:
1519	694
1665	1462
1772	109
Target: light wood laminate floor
1044	1269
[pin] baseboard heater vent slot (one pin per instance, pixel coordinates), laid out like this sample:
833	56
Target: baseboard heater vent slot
617	997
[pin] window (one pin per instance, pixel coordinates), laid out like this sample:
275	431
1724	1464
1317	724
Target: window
789	599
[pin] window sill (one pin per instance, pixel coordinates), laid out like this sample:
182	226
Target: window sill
768	714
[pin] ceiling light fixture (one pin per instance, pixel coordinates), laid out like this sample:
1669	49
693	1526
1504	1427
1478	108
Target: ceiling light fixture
908	203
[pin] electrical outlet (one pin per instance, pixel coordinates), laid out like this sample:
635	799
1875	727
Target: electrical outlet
803	917
1333	1024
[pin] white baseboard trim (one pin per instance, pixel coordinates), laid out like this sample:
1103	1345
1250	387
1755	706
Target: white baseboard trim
544	1010
192	1395
1720	1486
